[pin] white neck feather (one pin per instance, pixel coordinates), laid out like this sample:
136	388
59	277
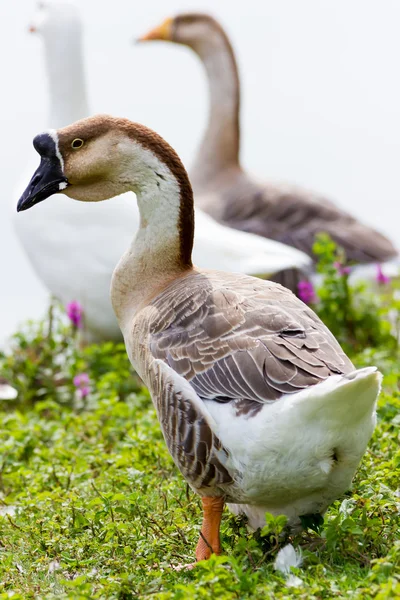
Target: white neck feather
66	78
219	148
158	234
153	257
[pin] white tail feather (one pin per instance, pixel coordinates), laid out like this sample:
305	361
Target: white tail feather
343	398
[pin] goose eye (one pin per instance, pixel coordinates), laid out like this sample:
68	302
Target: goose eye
77	143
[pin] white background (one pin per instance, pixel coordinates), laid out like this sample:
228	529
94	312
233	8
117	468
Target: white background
320	101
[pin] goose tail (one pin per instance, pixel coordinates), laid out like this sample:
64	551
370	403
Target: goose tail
344	399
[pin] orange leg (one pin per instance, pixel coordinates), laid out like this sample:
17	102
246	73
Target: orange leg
209	541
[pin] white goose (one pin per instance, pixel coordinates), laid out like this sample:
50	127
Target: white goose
258	404
61	233
223	188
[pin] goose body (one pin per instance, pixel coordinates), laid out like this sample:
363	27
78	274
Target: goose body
281	212
288	435
60	233
258	404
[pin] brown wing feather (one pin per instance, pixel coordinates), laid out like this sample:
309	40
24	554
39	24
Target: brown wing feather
236	337
191	441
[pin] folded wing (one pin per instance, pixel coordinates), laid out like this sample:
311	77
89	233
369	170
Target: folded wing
237	338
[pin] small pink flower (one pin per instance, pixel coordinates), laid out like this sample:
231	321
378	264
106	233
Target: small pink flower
306	292
342	269
81	379
75	313
381	278
81	382
84	391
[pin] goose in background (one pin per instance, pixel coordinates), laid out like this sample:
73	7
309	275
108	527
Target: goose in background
73	248
257	402
223	189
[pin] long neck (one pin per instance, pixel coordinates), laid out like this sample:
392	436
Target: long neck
156	255
66	80
219	149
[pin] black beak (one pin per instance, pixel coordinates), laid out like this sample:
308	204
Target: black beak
48	178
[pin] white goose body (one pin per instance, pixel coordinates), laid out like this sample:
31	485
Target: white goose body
257	402
60	233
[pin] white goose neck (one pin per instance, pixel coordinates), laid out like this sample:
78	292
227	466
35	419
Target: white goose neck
66	77
219	149
154	255
157	242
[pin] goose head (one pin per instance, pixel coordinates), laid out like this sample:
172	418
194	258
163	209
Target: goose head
53	18
196	30
101	157
219	149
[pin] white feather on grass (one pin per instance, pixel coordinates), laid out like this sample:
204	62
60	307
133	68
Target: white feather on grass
287	558
294	581
54	565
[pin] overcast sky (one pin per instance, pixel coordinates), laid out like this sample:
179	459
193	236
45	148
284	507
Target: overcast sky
321	101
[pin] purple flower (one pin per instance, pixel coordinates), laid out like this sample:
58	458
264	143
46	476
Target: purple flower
75	313
306	292
81	382
84	391
341	269
381	278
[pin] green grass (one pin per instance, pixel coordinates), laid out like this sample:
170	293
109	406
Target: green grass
96	509
91	505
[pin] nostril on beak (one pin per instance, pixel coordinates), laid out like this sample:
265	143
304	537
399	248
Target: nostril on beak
35	180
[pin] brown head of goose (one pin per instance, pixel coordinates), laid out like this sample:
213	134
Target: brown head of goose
257	402
223	189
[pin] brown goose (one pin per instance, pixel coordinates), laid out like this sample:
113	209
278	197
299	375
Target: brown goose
224	190
257	402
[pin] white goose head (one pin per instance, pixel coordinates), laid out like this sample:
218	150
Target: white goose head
101	157
53	18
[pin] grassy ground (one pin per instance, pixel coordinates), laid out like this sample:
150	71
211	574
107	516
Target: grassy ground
93	507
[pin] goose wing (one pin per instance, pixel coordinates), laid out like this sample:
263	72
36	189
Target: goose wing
236	338
189	432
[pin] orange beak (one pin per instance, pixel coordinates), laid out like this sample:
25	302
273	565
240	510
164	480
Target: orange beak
161	32
32	29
